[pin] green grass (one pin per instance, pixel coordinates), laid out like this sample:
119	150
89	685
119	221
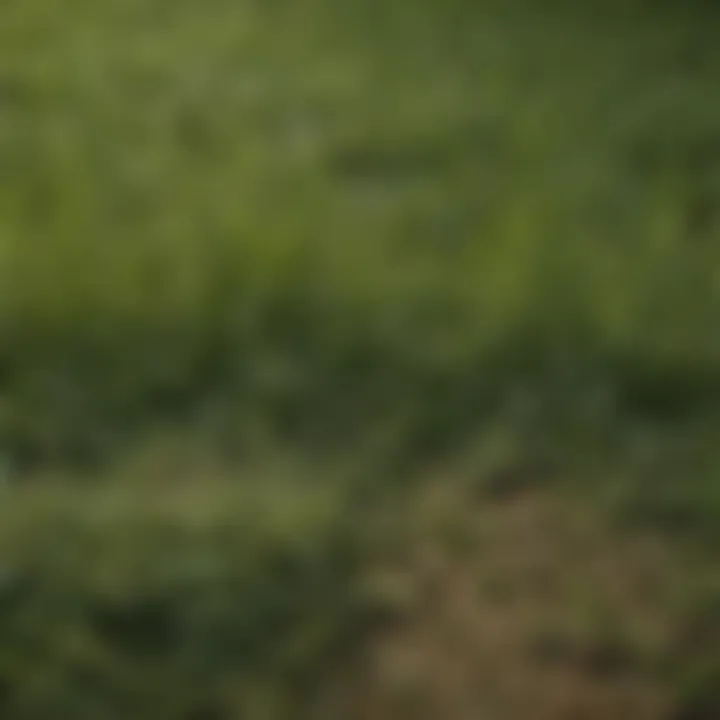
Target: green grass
225	598
366	233
307	219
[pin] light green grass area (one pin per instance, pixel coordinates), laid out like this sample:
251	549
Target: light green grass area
309	218
377	235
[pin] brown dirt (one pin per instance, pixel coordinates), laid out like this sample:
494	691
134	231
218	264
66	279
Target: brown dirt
524	609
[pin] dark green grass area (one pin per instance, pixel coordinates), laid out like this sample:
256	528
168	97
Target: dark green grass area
211	601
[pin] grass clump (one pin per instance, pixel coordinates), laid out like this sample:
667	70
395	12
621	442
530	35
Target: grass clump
123	602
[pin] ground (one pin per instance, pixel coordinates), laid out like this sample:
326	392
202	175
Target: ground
362	353
528	606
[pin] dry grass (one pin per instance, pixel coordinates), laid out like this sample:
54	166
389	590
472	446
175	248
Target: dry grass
540	612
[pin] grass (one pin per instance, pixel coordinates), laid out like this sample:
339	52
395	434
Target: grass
476	239
244	214
218	599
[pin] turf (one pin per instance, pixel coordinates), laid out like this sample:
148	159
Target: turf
368	236
258	214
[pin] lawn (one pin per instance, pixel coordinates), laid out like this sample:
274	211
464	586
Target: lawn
371	242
